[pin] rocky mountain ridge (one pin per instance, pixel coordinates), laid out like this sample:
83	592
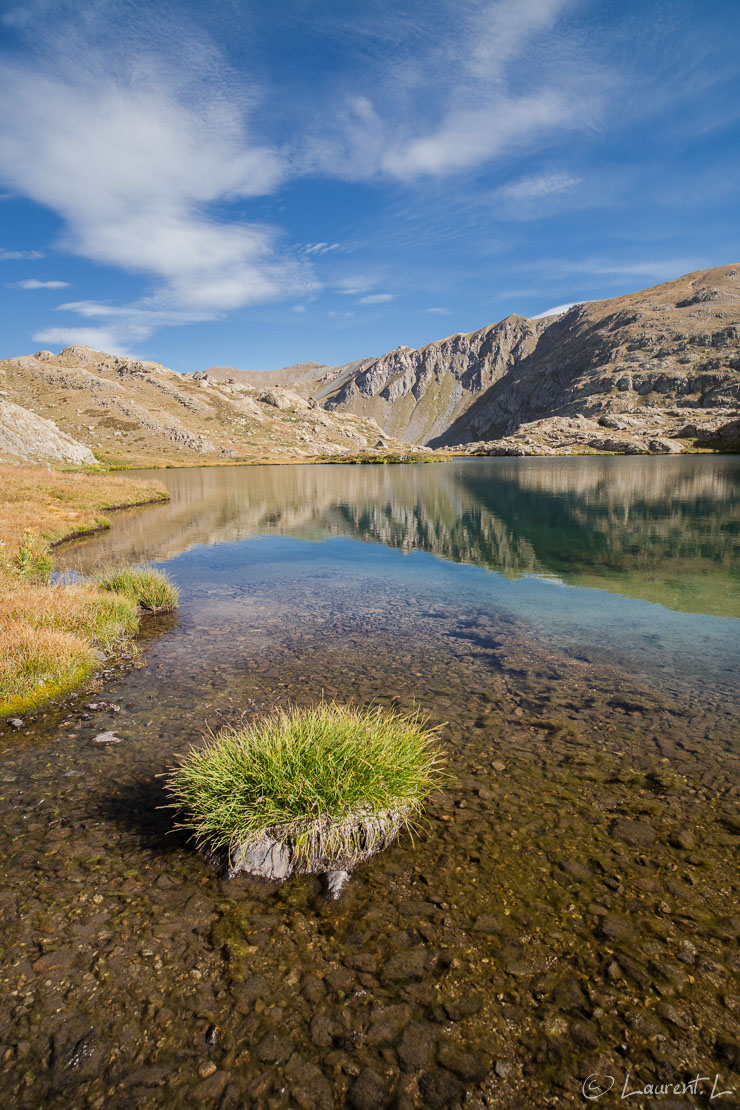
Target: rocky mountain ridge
672	350
308	379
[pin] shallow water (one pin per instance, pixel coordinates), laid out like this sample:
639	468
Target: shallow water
568	911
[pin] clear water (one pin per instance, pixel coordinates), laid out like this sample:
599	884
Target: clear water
573	623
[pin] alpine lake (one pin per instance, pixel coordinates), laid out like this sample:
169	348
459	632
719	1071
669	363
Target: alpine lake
564	925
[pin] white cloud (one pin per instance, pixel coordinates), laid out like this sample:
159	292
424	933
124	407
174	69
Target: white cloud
657	269
354	285
557	311
341	315
538	186
14	256
34	283
470	135
322	248
299	308
101	339
438	311
498	77
376	298
135	159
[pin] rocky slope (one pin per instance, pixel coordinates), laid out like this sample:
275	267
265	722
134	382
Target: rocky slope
124	410
666	360
309	379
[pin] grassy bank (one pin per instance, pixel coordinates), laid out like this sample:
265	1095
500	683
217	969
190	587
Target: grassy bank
52	637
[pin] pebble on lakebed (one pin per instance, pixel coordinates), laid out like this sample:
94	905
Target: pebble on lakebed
106	738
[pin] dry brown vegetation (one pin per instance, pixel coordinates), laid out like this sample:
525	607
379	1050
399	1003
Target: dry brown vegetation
53	505
49	633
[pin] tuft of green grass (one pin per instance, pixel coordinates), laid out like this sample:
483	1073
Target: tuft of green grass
32	560
150	589
316	777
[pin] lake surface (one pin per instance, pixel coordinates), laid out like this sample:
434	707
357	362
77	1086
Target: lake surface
568	910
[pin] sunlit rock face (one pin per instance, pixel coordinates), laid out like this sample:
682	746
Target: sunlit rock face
27	437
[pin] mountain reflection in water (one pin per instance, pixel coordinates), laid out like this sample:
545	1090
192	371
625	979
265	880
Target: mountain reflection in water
661	529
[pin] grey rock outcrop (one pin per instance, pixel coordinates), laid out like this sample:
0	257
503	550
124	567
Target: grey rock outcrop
656	433
27	437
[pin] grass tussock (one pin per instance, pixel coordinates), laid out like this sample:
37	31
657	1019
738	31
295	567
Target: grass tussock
149	589
335	782
32	560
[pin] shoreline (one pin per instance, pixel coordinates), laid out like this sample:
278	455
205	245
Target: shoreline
431	457
54	638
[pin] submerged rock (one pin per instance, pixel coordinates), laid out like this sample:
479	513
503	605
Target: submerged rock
106	738
331	850
335	882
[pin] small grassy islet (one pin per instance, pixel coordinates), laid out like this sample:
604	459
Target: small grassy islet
316	779
147	588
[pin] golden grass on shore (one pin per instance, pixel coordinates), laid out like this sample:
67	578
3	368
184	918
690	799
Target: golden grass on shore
54	505
49	633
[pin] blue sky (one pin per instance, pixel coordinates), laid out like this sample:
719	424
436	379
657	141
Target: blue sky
257	184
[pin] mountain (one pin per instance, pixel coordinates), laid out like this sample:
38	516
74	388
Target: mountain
127	411
655	371
662	361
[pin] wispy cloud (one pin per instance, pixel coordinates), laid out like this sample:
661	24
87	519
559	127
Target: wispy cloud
501	77
376	298
657	269
538	186
102	339
438	311
355	284
17	256
34	283
322	248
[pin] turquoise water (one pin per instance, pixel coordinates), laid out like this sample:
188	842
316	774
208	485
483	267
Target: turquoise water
627	561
